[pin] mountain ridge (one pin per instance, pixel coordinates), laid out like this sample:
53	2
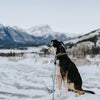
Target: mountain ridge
16	37
88	44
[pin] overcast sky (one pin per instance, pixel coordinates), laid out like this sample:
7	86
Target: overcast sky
71	16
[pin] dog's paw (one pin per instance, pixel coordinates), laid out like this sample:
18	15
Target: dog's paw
76	94
64	96
58	94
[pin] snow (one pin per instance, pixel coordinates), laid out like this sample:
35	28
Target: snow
45	30
97	32
29	50
94	60
40	30
18	28
22	79
98	43
86	44
1	26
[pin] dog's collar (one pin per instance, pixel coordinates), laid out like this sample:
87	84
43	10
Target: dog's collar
60	54
57	55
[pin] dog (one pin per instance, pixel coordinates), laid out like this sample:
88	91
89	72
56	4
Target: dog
67	70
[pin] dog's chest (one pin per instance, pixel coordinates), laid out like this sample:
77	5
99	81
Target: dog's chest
57	63
58	68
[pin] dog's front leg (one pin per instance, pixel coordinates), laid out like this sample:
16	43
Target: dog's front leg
59	80
59	85
65	86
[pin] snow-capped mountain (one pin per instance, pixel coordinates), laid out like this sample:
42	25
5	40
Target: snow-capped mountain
11	37
40	31
93	36
45	31
86	44
36	36
47	34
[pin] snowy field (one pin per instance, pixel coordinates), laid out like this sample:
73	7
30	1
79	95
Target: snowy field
24	78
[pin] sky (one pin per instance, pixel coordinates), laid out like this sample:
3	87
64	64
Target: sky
70	16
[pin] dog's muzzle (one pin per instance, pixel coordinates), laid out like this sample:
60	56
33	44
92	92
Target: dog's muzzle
52	50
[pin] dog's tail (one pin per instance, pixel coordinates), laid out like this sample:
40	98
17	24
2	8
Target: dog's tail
88	91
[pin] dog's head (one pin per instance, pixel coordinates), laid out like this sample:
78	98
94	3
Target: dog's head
56	44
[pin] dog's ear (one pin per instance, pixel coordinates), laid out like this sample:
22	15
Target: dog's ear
62	44
54	40
55	43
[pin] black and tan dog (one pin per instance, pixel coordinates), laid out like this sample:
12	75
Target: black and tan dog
67	71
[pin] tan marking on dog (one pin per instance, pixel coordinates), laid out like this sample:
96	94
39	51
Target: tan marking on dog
49	49
58	69
68	81
59	82
52	50
65	86
65	77
59	78
80	92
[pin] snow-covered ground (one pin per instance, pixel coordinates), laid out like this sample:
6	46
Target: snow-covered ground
29	50
24	78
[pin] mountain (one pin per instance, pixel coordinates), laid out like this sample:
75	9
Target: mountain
93	36
40	30
36	36
85	44
42	35
46	32
12	37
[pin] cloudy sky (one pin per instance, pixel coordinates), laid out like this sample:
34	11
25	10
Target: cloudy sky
74	16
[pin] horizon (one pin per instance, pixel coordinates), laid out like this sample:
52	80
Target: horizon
79	17
49	26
